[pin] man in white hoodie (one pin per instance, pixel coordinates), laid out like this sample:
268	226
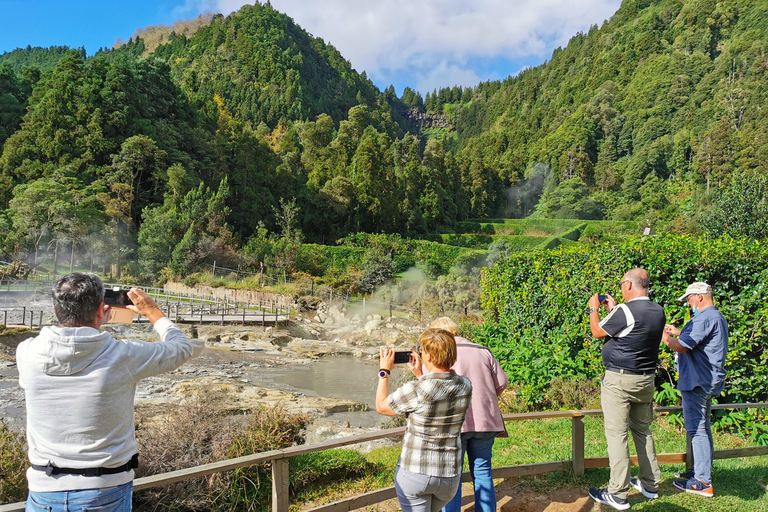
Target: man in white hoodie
79	385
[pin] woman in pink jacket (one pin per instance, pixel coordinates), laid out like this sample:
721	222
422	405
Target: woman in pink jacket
483	423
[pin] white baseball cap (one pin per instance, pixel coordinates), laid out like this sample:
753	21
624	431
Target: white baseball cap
697	287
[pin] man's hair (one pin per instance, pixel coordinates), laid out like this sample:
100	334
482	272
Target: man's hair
446	324
440	345
76	299
639	277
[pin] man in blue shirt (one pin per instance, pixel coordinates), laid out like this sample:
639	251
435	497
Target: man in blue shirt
702	347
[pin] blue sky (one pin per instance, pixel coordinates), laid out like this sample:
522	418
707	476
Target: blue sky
424	44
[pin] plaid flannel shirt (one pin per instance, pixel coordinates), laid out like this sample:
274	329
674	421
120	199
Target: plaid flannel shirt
435	406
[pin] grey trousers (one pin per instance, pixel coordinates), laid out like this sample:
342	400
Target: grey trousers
422	493
627	402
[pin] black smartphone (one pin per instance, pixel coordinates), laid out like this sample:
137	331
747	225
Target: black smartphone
117	297
601	298
402	357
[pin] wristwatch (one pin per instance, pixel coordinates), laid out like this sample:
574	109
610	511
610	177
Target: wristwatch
383	373
592	310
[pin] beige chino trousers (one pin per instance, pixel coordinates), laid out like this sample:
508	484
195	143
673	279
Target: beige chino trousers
627	402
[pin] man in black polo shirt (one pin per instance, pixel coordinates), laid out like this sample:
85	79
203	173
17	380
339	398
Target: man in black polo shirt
633	332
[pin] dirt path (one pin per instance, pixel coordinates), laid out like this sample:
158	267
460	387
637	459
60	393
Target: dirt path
514	496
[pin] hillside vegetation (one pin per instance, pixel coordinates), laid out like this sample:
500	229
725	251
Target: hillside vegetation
249	131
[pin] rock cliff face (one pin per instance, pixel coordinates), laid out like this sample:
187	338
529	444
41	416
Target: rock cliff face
427	119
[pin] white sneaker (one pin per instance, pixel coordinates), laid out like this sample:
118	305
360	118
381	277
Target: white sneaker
637	484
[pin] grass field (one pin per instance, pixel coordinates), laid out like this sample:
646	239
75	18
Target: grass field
740	484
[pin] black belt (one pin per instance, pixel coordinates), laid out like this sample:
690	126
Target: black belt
50	469
629	372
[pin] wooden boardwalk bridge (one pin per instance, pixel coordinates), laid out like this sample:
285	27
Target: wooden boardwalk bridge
181	307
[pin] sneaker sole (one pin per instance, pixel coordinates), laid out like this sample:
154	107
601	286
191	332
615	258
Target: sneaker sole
705	494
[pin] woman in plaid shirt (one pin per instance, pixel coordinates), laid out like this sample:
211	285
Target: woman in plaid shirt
429	470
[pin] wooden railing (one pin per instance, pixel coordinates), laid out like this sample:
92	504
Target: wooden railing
279	458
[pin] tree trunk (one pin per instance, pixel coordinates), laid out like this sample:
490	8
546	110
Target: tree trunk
117	224
56	258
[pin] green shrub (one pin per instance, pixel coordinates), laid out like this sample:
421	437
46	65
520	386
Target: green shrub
604	230
573	394
13	465
535	306
574	233
470	241
198	433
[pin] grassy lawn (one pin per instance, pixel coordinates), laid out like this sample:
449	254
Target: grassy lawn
740	484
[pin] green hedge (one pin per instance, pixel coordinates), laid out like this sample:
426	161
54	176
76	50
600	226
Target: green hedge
536	305
475	227
590	229
482	242
355	250
318	260
599	230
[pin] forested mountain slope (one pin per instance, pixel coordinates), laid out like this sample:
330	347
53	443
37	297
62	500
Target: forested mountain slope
645	116
251	128
266	68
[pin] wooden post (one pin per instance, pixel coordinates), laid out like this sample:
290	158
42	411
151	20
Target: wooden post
577	444
390	309
280	497
5	318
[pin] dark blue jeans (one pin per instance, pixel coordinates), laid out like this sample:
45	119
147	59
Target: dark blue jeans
479	447
697	414
114	499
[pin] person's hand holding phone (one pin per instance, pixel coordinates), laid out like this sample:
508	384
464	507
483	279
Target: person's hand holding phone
609	302
415	365
144	305
386	358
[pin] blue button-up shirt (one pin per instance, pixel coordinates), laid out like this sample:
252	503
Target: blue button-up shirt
703	364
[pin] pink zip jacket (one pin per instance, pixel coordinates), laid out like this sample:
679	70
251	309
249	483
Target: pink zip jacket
477	363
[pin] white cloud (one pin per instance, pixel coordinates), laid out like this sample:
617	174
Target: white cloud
437	42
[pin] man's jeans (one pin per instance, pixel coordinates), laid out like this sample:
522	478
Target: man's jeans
478	446
115	499
697	414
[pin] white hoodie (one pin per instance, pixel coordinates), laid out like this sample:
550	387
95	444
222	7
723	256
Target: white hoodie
79	385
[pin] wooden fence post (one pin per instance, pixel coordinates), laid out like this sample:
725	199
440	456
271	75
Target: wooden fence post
280	498
577	443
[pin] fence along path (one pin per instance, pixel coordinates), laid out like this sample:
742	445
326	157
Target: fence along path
279	458
179	306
